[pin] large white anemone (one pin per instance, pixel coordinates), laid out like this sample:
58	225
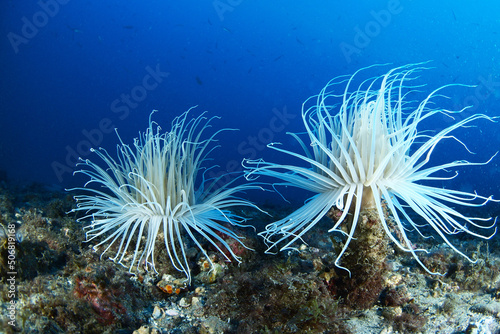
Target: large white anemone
157	186
364	148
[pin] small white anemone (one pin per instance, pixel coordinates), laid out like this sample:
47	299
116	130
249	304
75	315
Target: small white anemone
369	151
151	187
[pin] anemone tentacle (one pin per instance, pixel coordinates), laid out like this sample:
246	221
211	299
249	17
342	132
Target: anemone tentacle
365	147
152	187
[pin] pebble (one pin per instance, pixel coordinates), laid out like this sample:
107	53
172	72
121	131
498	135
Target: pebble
172	313
143	330
184	302
387	330
196	302
156	312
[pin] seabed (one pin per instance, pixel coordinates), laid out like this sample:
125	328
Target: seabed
62	285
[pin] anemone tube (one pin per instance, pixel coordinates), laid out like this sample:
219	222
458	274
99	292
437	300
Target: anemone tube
152	187
365	150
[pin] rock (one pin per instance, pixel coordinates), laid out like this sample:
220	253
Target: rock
156	313
143	330
184	302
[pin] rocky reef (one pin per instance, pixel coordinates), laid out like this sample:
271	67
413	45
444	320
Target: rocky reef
62	286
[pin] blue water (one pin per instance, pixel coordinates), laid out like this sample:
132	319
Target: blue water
74	70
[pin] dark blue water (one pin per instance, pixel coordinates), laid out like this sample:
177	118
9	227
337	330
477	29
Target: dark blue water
74	70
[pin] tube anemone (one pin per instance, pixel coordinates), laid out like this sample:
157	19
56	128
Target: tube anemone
155	187
366	152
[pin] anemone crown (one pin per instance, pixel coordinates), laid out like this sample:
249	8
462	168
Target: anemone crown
365	146
153	187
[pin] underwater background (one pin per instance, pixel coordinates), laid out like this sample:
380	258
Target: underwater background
74	71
